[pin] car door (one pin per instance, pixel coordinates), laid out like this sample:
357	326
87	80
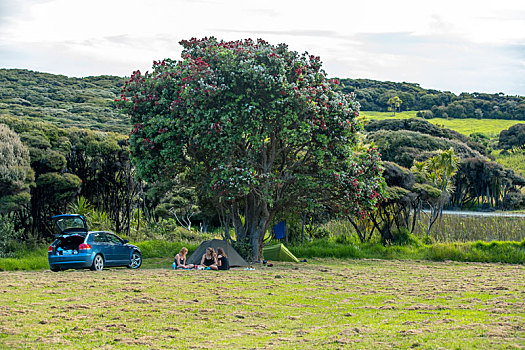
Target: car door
119	251
101	245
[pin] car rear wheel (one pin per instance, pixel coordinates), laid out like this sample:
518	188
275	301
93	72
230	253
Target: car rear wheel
54	269
98	263
136	260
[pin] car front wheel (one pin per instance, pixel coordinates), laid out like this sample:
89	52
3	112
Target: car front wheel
98	263
136	260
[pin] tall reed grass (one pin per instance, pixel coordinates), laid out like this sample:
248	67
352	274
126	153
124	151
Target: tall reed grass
456	228
451	228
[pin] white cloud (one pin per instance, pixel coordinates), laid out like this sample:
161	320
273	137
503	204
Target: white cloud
448	45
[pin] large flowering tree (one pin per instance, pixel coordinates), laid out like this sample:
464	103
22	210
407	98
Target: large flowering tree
257	128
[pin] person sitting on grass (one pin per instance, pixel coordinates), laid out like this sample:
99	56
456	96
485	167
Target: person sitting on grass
209	259
180	260
222	260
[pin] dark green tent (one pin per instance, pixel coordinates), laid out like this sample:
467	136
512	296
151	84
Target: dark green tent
234	257
278	252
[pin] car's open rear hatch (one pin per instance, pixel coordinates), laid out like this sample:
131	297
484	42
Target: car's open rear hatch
68	224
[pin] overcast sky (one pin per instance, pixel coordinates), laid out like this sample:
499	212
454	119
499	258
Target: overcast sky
452	45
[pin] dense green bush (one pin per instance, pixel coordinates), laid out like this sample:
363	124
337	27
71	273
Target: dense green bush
417	125
404	146
404	237
425	114
512	137
10	238
16	175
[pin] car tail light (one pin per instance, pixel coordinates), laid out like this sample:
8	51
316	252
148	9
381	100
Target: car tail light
84	246
50	249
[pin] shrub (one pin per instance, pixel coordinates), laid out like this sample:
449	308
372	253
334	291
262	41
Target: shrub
9	238
425	114
514	201
512	137
243	248
404	237
171	231
16	175
26	259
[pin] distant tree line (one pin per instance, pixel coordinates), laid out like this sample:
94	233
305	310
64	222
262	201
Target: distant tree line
375	95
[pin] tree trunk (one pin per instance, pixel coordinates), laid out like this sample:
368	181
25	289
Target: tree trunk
257	218
302	228
361	236
257	236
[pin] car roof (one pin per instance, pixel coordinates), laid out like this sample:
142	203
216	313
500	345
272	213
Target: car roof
68	216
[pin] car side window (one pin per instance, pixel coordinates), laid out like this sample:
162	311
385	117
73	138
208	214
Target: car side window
99	237
113	239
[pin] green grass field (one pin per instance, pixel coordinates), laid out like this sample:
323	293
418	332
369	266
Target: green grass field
324	304
489	127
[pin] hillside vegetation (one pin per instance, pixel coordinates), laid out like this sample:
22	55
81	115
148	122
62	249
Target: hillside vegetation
484	132
76	141
89	102
65	102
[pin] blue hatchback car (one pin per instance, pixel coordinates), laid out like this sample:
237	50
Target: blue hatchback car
76	248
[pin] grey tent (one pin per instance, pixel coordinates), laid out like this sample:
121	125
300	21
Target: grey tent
234	257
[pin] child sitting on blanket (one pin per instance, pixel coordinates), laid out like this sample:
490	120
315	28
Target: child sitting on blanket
222	260
209	259
180	260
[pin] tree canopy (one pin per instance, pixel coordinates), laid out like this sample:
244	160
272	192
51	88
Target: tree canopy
394	103
257	128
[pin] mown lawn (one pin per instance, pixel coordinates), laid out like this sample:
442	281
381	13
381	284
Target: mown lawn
325	304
